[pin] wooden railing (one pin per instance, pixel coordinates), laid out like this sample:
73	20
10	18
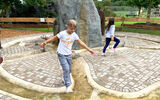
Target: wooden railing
140	26
120	19
48	22
42	22
26	19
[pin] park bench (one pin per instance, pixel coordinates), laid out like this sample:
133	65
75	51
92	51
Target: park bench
132	15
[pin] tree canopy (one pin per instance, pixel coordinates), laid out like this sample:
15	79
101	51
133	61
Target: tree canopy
29	8
148	4
104	5
7	5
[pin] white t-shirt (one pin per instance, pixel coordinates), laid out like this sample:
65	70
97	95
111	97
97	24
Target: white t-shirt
111	31
66	42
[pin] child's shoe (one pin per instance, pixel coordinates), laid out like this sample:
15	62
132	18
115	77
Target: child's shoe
103	54
69	90
114	49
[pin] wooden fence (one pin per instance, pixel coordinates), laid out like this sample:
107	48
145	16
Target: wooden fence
121	19
48	22
41	22
140	26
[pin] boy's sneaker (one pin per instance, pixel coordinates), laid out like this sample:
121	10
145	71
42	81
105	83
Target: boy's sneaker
69	90
103	54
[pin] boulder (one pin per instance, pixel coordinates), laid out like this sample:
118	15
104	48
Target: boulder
87	17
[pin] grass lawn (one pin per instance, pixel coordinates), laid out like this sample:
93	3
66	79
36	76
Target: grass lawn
124	13
34	29
118	24
144	31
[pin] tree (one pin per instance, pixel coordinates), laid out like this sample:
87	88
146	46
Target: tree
148	4
6	6
104	5
34	8
152	4
138	3
118	2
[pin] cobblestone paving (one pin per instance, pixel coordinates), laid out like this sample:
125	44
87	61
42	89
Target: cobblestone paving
42	69
12	52
38	68
31	46
139	36
139	43
127	69
5	97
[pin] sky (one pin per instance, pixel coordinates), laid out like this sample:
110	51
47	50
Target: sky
21	1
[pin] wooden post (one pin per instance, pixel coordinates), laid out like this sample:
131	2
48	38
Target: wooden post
48	24
122	26
0	37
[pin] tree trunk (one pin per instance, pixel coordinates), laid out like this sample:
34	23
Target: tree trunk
86	16
0	37
7	11
149	9
139	12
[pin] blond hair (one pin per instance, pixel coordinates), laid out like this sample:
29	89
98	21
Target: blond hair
71	23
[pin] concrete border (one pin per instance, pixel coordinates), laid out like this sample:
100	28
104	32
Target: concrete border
13	96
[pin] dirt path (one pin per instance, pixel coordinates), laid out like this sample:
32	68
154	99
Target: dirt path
6	33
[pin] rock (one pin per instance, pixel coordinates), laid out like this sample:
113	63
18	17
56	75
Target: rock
87	17
22	43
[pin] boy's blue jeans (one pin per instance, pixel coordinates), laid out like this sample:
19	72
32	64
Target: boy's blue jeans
66	63
108	40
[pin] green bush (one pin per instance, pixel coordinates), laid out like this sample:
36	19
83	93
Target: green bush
109	13
122	8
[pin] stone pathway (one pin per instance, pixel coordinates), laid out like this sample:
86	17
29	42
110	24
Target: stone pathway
127	70
134	67
41	69
24	61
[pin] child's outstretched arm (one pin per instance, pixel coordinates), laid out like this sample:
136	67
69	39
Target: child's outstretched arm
85	46
49	40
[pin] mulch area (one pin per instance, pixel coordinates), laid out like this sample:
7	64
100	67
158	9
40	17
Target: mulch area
6	33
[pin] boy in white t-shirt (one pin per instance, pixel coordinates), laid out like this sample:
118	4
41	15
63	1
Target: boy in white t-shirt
67	37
